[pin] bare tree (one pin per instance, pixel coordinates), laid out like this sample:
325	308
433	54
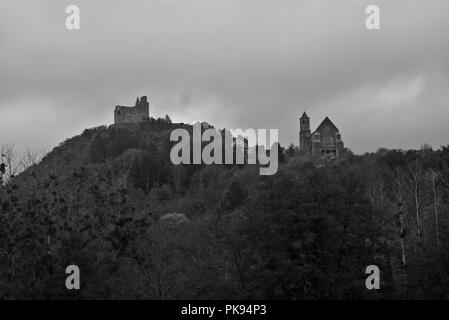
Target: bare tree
29	157
377	192
16	162
399	184
416	175
398	189
9	158
433	178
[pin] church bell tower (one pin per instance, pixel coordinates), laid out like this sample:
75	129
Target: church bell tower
304	133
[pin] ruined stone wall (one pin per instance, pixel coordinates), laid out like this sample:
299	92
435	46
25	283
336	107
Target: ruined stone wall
138	113
128	114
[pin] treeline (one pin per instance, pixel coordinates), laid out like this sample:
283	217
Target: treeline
111	202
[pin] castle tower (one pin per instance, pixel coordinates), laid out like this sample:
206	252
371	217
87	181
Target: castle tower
304	133
142	106
143	101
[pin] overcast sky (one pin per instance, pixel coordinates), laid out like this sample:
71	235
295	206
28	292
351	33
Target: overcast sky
232	63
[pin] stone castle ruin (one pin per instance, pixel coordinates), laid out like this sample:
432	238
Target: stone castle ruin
138	113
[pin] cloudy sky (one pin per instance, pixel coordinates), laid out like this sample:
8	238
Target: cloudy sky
232	63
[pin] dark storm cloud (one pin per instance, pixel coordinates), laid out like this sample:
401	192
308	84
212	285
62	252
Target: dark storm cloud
257	63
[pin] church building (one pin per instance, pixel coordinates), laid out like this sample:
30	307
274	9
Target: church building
326	139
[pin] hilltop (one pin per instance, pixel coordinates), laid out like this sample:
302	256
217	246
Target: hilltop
110	201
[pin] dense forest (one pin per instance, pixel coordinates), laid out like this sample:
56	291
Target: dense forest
111	202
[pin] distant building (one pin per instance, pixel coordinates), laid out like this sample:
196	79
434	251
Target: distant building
326	139
138	113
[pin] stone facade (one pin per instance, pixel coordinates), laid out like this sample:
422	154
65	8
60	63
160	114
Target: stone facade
326	139
138	113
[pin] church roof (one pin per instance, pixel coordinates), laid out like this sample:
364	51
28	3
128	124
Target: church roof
328	122
304	115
